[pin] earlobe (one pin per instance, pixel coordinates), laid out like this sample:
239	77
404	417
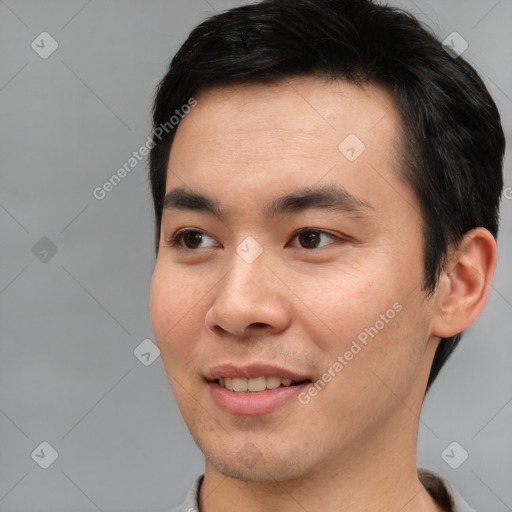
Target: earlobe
465	283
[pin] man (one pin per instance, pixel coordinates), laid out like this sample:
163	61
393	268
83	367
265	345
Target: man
326	220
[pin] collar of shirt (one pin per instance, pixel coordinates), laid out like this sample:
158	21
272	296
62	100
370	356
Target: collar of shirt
439	488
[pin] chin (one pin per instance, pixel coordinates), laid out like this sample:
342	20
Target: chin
273	463
263	472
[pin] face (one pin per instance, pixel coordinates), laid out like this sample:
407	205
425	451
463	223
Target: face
286	298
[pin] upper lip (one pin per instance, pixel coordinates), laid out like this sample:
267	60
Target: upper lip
251	371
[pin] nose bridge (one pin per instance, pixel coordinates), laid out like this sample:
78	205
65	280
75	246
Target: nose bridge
249	295
247	280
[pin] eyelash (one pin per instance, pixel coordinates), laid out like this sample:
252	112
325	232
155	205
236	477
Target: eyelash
177	238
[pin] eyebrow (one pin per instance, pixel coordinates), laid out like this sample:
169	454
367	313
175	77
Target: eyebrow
325	198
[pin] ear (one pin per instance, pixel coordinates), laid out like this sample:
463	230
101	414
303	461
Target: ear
465	283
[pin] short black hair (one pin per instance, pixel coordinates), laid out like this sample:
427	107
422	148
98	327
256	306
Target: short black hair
452	141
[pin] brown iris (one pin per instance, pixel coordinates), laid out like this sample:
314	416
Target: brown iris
192	239
309	239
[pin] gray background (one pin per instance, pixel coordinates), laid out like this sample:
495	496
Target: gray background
70	324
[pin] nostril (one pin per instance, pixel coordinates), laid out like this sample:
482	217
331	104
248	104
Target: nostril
259	325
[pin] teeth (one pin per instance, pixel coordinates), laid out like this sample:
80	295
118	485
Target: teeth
257	384
239	385
273	382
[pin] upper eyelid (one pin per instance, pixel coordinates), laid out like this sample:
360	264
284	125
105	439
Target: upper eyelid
315	230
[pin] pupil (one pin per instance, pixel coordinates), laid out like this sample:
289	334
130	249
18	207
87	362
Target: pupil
309	239
193	239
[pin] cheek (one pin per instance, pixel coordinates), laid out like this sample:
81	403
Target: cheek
371	316
175	309
345	302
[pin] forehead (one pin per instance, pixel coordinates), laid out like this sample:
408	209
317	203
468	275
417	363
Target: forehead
289	111
299	132
319	103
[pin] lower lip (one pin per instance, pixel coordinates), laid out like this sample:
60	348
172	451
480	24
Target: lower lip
261	402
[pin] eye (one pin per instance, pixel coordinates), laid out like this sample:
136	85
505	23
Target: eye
312	238
192	239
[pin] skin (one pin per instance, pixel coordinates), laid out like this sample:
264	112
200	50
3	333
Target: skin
353	446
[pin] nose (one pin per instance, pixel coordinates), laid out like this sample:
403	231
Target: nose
250	300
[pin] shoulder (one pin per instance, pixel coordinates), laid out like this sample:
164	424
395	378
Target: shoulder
443	492
191	504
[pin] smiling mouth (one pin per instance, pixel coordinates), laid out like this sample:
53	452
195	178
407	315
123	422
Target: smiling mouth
255	385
